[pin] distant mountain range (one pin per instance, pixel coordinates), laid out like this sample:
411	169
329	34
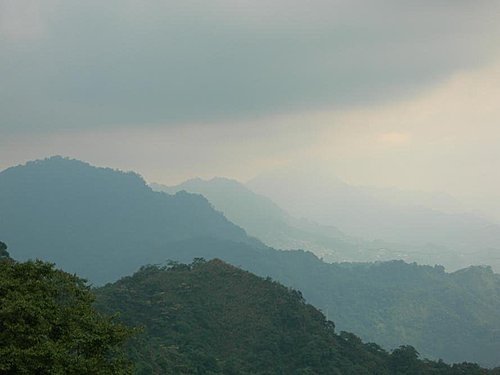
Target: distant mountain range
265	220
104	224
428	227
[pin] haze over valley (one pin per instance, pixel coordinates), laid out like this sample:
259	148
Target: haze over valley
249	187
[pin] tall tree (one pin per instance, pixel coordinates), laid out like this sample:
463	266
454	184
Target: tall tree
3	250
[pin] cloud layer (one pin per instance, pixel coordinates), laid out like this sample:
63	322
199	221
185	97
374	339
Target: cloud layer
93	64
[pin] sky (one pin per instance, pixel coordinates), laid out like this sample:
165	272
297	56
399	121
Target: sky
378	92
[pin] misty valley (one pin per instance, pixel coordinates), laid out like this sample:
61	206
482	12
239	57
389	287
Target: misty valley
236	187
103	273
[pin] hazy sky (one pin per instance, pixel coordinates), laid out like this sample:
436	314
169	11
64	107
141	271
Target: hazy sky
387	93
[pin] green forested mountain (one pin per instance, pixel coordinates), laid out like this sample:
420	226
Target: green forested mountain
210	317
453	316
201	318
98	222
104	224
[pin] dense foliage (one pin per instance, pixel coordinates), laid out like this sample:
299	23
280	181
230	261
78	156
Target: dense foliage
49	326
104	224
210	317
453	316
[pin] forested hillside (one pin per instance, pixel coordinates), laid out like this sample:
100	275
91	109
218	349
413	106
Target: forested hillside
198	318
330	188
103	224
98	222
453	316
210	317
48	324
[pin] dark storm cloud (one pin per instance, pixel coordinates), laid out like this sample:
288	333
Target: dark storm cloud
74	65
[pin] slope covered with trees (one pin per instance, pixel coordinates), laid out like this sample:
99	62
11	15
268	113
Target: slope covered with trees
210	317
453	316
48	324
98	222
103	224
200	318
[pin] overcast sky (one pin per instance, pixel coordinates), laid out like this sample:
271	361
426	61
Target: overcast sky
386	93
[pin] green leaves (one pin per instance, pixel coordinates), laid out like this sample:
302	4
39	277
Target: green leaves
48	324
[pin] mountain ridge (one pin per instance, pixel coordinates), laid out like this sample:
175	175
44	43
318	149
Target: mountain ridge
453	238
104	229
265	220
99	212
212	317
261	217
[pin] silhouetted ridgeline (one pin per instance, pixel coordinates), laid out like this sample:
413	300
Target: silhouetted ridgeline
98	222
432	228
263	219
104	224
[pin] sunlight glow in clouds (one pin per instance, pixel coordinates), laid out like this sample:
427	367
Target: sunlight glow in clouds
406	94
446	139
453	147
395	138
22	20
123	63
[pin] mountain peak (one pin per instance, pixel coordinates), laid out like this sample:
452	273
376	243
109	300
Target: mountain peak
64	162
65	206
216	180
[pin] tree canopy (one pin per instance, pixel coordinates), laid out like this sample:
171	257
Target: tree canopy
49	325
3	250
213	318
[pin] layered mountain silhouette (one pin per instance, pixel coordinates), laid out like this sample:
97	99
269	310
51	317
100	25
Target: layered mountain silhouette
429	227
263	219
104	224
98	222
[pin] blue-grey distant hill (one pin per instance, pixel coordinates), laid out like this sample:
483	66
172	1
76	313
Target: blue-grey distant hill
98	222
433	227
260	217
103	224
